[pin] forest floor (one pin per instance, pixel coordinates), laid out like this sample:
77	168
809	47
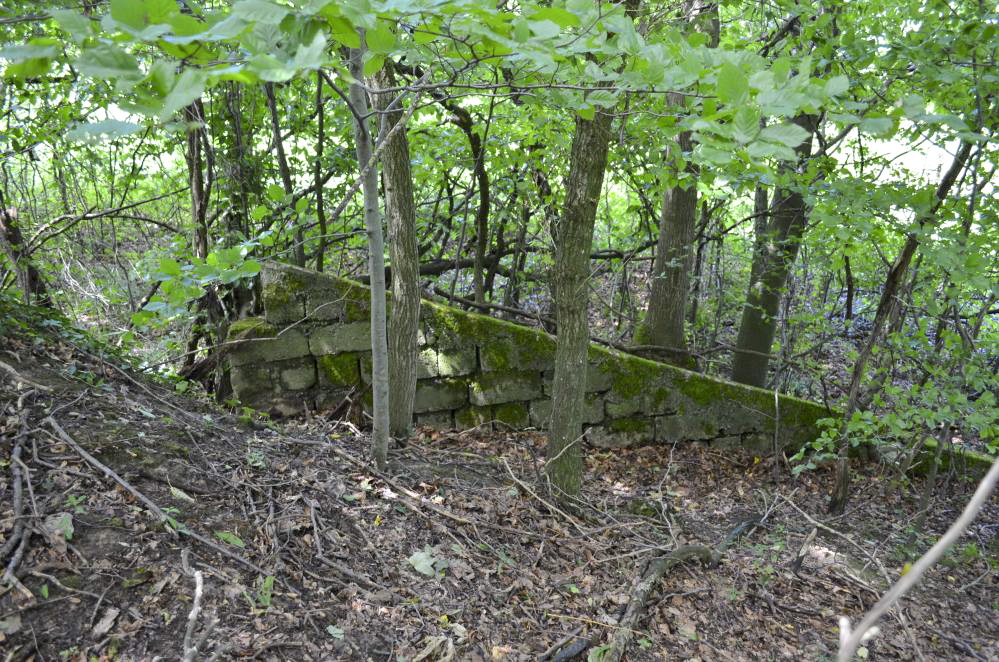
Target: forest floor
308	553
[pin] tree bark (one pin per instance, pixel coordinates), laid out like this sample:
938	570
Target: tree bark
775	251
285	171
670	290
376	261
29	280
399	206
573	239
664	319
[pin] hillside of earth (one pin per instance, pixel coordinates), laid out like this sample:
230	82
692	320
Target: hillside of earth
119	491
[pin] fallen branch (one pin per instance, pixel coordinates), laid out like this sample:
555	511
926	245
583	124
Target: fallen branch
850	640
21	378
640	596
191	645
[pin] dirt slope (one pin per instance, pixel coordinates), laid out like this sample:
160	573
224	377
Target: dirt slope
306	553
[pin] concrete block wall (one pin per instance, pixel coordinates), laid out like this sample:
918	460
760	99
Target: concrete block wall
312	349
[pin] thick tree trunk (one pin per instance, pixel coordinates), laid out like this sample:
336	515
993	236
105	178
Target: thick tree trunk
573	239
664	320
402	332
776	249
376	261
670	290
29	280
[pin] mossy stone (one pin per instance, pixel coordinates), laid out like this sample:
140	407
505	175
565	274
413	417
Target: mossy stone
440	394
472	416
494	388
339	370
514	414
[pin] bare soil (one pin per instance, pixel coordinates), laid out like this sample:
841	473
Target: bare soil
308	553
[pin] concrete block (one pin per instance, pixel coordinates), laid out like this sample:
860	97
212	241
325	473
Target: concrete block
622	433
353	337
440	394
493	388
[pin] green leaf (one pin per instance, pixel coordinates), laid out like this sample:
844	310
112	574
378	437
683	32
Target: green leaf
563	18
275	193
102	129
335	632
259	11
230	538
77	25
789	135
373	63
381	39
259	212
110	63
190	85
138	14
746	124
544	29
732	85
837	85
34	49
877	125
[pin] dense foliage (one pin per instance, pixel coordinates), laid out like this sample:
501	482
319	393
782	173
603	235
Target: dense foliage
154	151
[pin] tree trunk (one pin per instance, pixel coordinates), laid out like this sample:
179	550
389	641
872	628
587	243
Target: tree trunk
573	240
885	311
284	169
664	320
11	240
670	290
376	261
403	251
773	257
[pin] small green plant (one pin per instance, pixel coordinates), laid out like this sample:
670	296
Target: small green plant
76	503
265	592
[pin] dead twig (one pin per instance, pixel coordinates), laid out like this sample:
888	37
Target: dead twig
640	595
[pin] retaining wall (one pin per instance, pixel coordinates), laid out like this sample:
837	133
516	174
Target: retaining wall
312	350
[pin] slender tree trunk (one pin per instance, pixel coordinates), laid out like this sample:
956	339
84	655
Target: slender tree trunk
320	140
284	169
773	257
573	240
402	332
885	312
376	261
848	274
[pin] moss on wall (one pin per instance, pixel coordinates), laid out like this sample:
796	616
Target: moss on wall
507	364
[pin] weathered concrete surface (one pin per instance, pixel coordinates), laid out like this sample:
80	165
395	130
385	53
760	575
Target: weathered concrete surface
312	348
